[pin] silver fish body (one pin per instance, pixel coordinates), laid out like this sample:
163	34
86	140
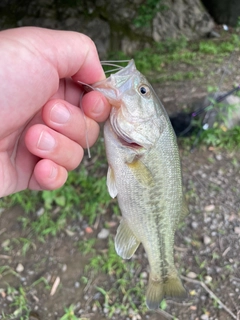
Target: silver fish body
145	175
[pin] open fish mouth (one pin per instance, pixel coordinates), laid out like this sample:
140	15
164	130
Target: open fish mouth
126	141
123	136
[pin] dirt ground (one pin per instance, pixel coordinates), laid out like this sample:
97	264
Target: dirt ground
207	246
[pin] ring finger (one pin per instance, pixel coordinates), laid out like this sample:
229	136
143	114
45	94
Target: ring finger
46	143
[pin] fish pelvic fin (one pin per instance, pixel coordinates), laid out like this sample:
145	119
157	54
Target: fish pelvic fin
126	242
141	173
111	183
158	289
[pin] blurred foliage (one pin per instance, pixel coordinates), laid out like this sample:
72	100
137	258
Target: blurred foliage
146	12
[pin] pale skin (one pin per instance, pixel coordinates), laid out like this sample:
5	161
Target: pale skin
42	131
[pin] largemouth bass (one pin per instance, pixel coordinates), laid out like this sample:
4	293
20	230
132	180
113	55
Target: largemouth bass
145	174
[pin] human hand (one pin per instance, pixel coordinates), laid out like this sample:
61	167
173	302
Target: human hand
42	131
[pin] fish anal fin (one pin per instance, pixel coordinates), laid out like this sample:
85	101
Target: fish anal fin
111	183
125	241
141	173
158	290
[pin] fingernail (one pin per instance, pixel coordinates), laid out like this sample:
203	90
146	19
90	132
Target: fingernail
98	108
45	141
53	172
59	114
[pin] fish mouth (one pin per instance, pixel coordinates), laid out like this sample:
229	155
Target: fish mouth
123	138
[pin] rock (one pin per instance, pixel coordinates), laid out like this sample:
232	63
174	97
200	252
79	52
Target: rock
206	240
184	18
144	275
194	225
69	232
209	208
105	310
230	103
204	317
19	268
94	308
103	234
40	212
192	275
219	157
64	268
208	279
237	230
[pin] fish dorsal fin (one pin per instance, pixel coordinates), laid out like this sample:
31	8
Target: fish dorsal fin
141	173
125	242
111	183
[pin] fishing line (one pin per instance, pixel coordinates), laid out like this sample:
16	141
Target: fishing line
113	70
86	88
85	121
112	63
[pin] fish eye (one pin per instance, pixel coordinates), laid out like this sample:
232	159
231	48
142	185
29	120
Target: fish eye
144	90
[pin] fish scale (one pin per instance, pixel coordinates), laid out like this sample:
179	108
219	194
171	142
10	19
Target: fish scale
145	175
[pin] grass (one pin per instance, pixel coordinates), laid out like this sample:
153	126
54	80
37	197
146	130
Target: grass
70	314
18	298
127	290
19	303
178	56
84	194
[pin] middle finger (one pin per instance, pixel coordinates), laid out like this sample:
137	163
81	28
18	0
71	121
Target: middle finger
70	121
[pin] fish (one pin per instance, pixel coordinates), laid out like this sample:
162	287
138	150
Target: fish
144	173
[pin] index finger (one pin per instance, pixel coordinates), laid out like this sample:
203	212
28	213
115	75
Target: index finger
71	53
32	62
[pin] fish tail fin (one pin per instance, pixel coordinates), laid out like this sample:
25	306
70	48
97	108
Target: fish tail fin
155	293
157	290
173	287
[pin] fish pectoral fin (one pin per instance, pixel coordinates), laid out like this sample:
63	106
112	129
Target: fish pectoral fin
111	183
185	210
125	242
157	290
141	173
